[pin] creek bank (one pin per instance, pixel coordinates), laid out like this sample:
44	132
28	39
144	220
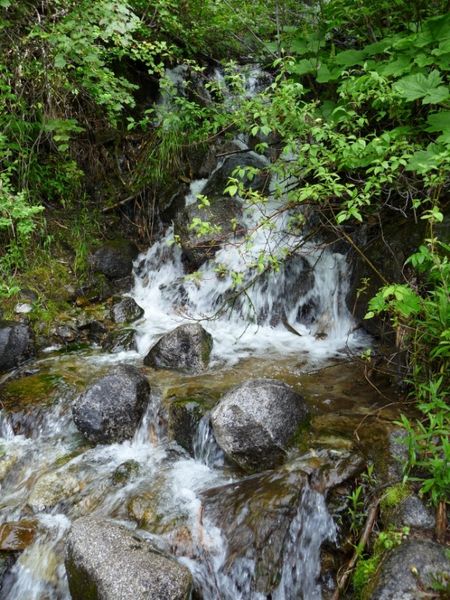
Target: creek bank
108	562
111	408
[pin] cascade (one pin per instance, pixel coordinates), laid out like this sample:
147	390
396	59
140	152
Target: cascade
296	309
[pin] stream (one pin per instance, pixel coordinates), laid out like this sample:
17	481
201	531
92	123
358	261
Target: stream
292	325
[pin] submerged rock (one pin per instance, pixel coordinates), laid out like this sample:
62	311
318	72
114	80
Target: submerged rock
114	259
126	311
111	408
16	536
223	216
410	570
255	423
108	562
118	341
186	348
16	344
51	489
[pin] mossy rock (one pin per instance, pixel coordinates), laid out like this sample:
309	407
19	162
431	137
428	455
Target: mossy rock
38	389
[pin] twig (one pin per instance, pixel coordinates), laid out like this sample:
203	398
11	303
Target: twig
368	526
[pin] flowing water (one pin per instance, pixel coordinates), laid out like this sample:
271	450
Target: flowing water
290	321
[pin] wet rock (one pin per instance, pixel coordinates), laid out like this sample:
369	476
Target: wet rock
16	536
125	472
186	348
118	341
16	344
108	562
7	560
410	512
111	408
218	180
126	311
255	513
255	423
6	464
144	509
114	259
410	570
39	389
51	489
223	215
184	416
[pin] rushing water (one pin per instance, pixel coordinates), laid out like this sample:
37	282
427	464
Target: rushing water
53	477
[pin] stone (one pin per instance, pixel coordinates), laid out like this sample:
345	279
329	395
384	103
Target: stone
52	488
410	512
410	570
110	409
255	513
125	472
7	560
114	259
106	561
126	311
224	216
255	423
120	340
16	344
16	536
183	420
187	348
218	180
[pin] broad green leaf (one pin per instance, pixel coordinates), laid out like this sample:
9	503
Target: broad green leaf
428	88
439	121
349	58
396	67
60	61
304	66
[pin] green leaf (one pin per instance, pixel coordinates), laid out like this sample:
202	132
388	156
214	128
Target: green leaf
418	86
60	61
304	66
349	58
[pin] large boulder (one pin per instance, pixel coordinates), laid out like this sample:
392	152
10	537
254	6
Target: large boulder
114	259
108	562
187	348
223	216
16	344
111	408
255	423
218	180
411	570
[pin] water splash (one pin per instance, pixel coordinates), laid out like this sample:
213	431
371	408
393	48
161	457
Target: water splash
206	449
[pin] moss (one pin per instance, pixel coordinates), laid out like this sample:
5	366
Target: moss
364	572
393	496
17	394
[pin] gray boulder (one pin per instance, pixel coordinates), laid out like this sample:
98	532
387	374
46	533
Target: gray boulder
255	423
111	408
108	562
114	259
223	215
16	344
218	180
186	348
126	310
410	570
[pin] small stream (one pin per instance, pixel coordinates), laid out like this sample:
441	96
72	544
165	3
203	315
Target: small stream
49	475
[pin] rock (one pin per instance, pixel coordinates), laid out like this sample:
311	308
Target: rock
7	560
218	180
186	348
223	215
184	417
255	423
23	308
410	570
144	509
255	513
126	311
16	536
108	562
16	344
114	259
410	512
118	341
126	472
51	489
111	408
